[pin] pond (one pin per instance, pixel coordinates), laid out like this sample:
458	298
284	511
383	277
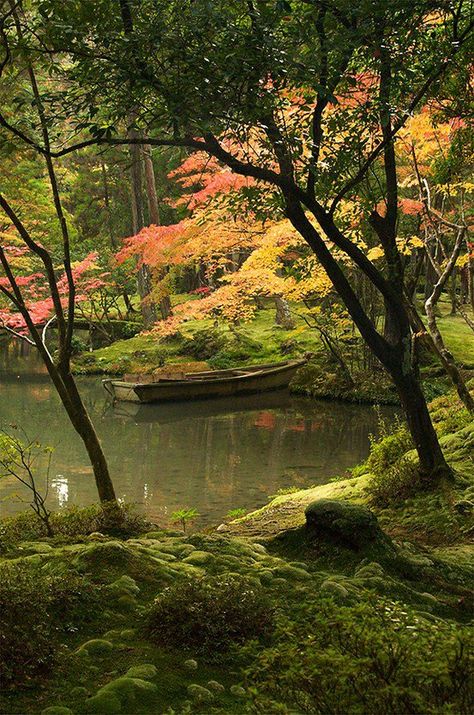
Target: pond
215	455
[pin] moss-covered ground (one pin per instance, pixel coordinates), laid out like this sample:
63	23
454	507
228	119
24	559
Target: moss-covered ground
429	569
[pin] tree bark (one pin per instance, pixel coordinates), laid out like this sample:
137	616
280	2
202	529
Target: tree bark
283	315
154	213
396	358
433	465
144	285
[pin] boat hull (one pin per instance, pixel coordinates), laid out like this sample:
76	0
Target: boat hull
200	388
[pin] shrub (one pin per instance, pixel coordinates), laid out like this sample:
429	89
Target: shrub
34	609
204	344
74	522
394	484
210	614
371	658
385	452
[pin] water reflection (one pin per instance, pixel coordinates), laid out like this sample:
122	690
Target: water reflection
215	455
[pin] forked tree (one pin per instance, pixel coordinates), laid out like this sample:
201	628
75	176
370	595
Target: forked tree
62	288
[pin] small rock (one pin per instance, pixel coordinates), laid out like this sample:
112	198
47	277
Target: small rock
197	558
57	710
191	664
96	536
199	694
369	570
238	691
334	589
103	703
128	633
215	686
147	671
96	646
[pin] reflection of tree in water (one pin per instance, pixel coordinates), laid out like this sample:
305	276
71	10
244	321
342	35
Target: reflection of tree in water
212	456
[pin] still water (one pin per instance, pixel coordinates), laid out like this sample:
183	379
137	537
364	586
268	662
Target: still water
214	456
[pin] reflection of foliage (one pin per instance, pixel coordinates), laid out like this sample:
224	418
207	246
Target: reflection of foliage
18	455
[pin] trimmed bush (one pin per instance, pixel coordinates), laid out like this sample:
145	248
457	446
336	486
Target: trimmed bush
210	614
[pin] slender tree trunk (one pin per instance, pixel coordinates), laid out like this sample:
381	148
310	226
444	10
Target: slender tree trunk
452	291
397	358
85	429
144	284
113	241
446	357
283	315
432	462
154	213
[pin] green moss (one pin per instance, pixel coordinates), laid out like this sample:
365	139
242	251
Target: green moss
198	558
146	671
57	710
104	703
96	646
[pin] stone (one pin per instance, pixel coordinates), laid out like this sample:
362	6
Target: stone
238	691
190	664
369	570
128	633
291	573
335	589
57	710
199	694
126	584
215	686
197	558
96	536
127	690
146	671
103	703
96	646
345	523
127	602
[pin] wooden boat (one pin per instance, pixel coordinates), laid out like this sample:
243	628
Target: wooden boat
204	385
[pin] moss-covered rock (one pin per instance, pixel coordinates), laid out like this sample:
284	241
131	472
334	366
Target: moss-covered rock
199	558
238	691
190	664
215	686
347	524
57	710
334	589
146	671
96	646
104	703
200	694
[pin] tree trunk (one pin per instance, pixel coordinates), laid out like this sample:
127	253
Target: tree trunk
396	358
433	465
154	212
283	315
85	429
446	358
144	275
